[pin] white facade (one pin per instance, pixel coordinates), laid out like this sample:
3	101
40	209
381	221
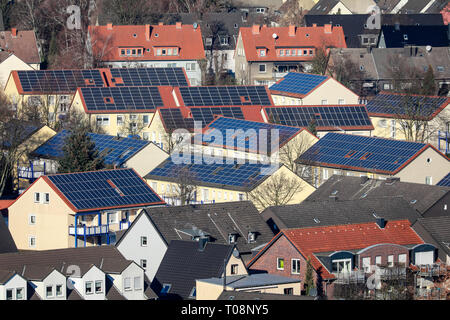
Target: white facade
16	286
53	287
86	285
130	283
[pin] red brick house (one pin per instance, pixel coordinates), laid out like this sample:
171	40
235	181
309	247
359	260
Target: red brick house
340	250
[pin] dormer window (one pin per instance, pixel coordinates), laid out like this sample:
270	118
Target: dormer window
232	238
262	52
251	237
224	41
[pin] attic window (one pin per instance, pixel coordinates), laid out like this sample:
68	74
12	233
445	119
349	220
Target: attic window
88	81
245	99
316	220
405	37
413	201
235	25
365	156
156	35
108	100
231	238
251	237
334	192
350	154
307	35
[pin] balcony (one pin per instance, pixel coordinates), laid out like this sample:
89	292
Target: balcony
83	230
350	277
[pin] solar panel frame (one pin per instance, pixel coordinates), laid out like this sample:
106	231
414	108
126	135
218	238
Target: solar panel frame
445	182
151	76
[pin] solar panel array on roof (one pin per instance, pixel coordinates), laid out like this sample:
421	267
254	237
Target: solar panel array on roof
396	104
114	150
300	83
173	119
445	182
58	80
225	96
104	189
122	98
246	175
325	116
254	134
150	77
367	153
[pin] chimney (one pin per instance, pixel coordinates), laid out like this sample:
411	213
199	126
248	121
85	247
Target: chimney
291	30
364	179
255	29
327	28
381	223
109	26
314	25
160	23
147	32
178	25
14	32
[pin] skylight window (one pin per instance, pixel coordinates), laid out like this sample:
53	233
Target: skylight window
350	154
316	220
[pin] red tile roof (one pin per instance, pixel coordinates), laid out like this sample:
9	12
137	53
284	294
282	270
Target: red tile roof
22	43
5	204
446	14
106	41
289	37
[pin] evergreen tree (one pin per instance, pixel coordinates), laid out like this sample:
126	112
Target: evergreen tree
429	83
309	277
80	153
312	127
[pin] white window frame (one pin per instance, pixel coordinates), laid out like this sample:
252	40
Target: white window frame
30	216
37	197
378	260
119	120
429	180
127	280
12	294
139	282
366	264
101	286
265	68
390	260
402	258
345	261
142	241
85	288
30	245
56	290
46	198
102	120
22	289
144	264
52	294
295	266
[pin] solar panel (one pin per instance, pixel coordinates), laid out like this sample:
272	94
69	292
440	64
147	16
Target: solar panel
247	175
173	119
225	96
122	98
324	116
89	190
114	150
253	134
396	104
64	81
360	152
299	83
150	77
445	182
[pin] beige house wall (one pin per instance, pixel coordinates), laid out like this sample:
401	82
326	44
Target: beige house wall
242	72
10	64
33	142
147	159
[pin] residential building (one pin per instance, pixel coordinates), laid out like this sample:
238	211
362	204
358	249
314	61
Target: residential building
346	154
362	32
428	200
338	252
435	230
411	6
149	46
140	155
228	223
352	119
398	36
311	89
264	54
244	295
12	286
187	261
57	211
342	7
221	180
332	211
446	14
212	288
9	62
6	242
397	116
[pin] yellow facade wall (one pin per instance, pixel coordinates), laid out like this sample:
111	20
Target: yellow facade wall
10	64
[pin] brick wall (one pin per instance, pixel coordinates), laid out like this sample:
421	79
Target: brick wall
384	251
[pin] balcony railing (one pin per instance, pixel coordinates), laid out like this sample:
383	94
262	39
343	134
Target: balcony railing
88	231
350	277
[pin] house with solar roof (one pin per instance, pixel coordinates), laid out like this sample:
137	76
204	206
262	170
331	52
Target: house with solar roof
265	54
351	155
219	179
78	209
118	152
133	46
393	115
297	88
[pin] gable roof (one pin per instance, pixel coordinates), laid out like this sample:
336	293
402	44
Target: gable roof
334	212
361	153
406	105
420	196
23	44
6	275
115	150
311	241
445	182
217	220
437	232
323	7
297	84
244	295
7	243
255	280
301	37
212	171
184	262
119	188
401	36
108	39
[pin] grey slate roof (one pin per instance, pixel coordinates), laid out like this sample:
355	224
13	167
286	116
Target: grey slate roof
5	275
420	196
217	220
7	243
323	7
251	281
435	230
331	212
74	295
184	262
242	295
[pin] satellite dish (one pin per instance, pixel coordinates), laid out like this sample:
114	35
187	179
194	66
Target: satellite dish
428	48
274	36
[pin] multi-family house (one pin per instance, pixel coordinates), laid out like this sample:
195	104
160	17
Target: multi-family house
338	153
159	45
120	152
428	200
342	7
341	251
398	36
78	209
231	223
411	117
265	54
221	180
18	51
45	283
297	88
12	286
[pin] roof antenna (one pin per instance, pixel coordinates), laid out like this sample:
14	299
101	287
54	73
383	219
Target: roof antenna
23	271
101	264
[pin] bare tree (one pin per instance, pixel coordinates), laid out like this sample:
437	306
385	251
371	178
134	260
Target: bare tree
132	125
293	14
171	140
185	187
347	72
